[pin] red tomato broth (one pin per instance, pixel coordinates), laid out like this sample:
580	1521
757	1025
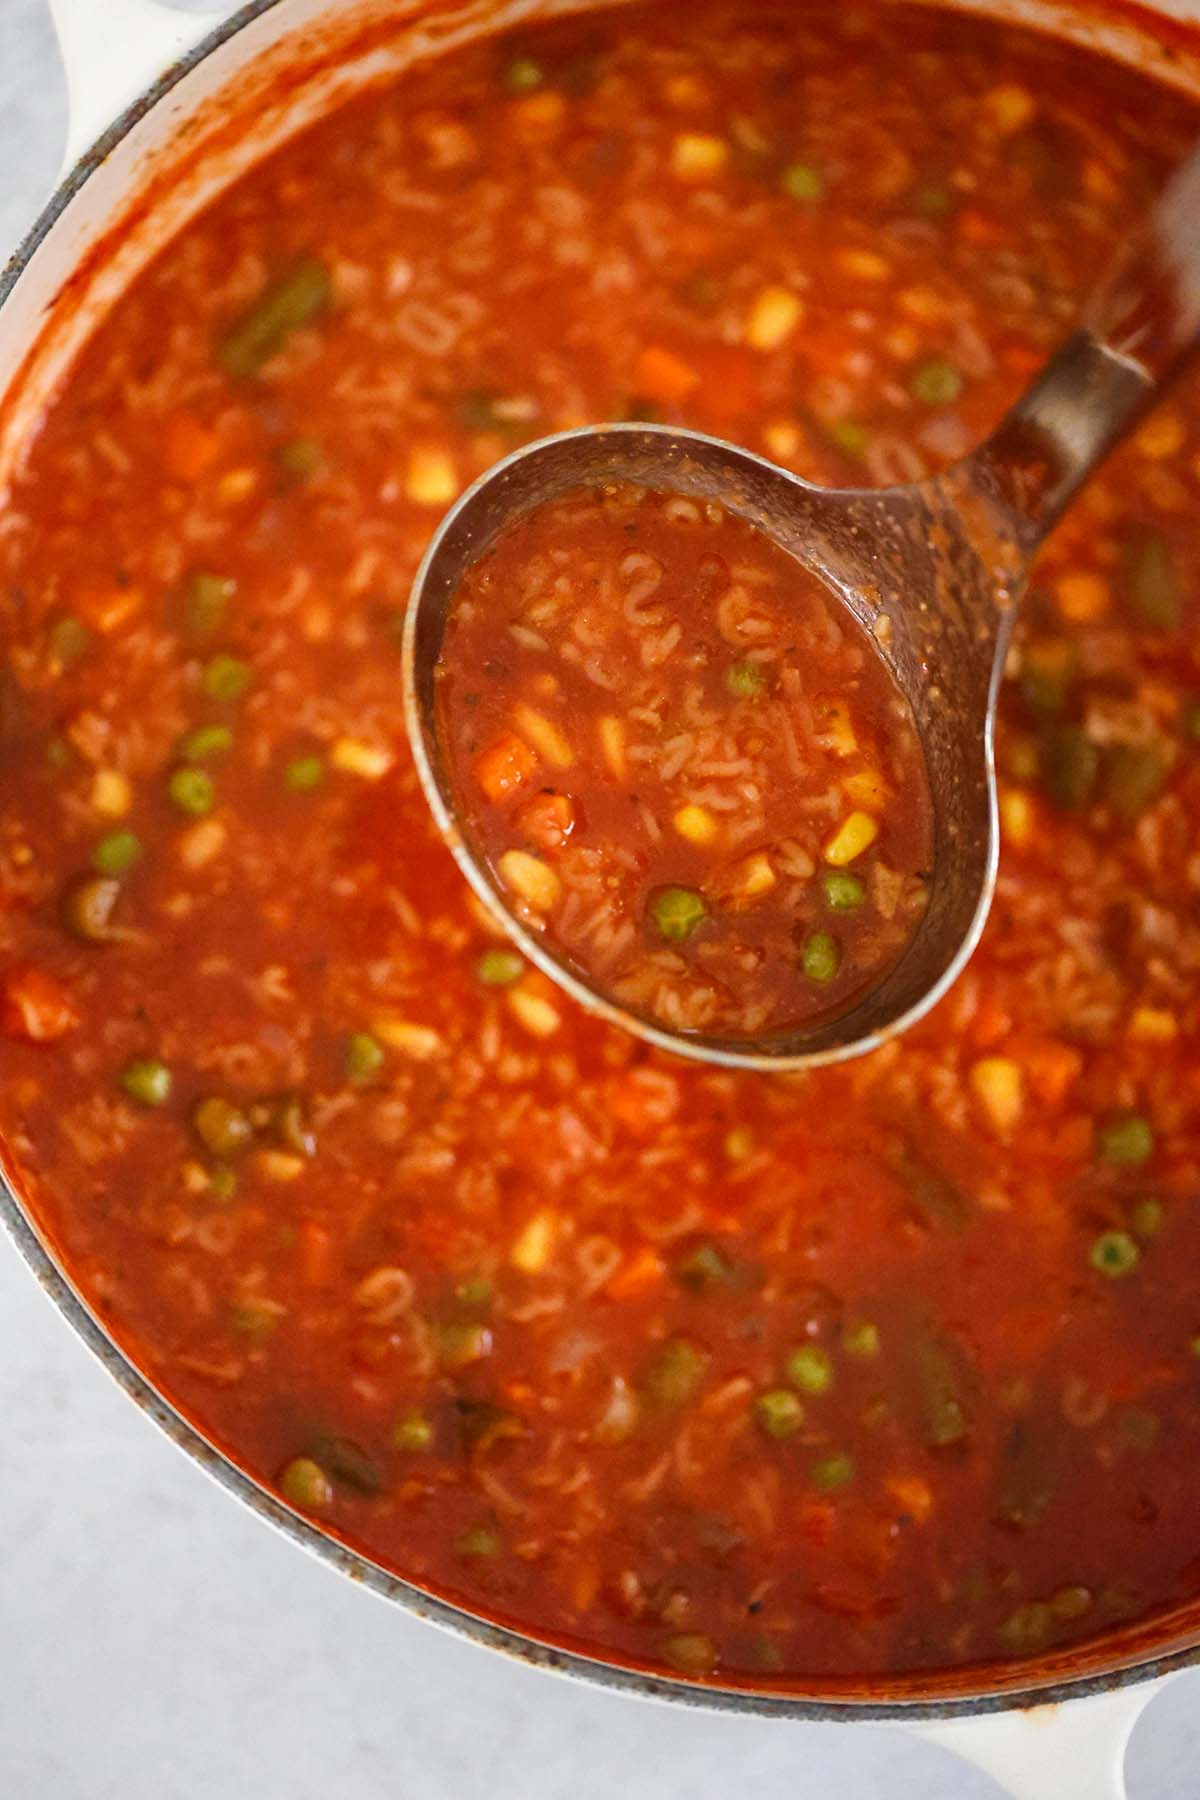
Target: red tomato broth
685	762
1008	1196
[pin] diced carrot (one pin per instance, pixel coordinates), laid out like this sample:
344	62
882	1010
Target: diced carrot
643	1271
913	1493
1050	1068
979	229
1022	360
35	1007
991	1023
105	609
189	448
547	820
506	765
316	1253
660	375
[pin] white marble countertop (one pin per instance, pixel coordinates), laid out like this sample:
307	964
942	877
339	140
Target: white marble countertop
157	1642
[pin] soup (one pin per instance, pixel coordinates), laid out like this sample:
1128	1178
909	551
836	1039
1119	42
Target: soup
886	1367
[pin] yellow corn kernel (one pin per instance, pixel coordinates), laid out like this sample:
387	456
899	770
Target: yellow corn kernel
913	1493
278	1165
783	441
1153	1025
865	265
696	824
1082	596
612	742
1010	107
998	1085
531	1251
837	728
695	154
431	478
850	839
421	1042
1162	435
355	758
236	485
774	316
529	877
753	877
112	794
533	1012
1017	818
866	788
200	843
544	735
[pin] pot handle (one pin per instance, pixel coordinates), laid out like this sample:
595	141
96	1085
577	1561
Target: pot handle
113	50
1071	1751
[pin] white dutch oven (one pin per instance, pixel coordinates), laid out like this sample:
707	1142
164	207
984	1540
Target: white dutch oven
196	106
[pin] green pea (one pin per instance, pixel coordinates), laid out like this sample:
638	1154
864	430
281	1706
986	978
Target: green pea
820	959
703	1269
478	1541
412	1433
852	439
779	1412
208	596
500	968
1047	673
363	1056
745	679
1195	1343
523	74
861	1340
833	1472
147	1081
116	853
800	181
932	200
1114	1254
1071	1602
691	1653
221	1126
222	1182
937	383
676	912
462	1342
1125	1139
676	1372
226	677
206	743
304	774
1191	719
810	1369
1029	1628
69	640
1146	1218
300	459
192	791
304	1483
475	1291
843	891
58	753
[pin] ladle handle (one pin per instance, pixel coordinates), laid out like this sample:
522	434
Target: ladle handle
1139	323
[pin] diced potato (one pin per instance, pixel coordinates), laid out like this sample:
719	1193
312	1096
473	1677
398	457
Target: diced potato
1017	817
866	787
1153	1025
752	878
420	1042
696	824
774	316
1010	107
529	877
112	794
544	735
998	1085
612	743
836	727
202	842
278	1165
1082	596
531	1251
864	265
431	479
659	374
1162	435
783	440
369	761
533	1011
852	837
695	154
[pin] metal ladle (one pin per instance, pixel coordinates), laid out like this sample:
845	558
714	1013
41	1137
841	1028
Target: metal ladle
934	570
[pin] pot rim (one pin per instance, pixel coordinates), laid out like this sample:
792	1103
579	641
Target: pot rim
833	1707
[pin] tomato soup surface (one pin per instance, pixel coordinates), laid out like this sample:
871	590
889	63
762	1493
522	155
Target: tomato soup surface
889	1367
685	762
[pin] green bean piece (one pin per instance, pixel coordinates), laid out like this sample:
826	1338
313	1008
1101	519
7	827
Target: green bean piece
860	1340
500	968
779	1412
938	1368
1136	1428
484	1424
294	300
1125	1139
676	912
810	1369
1028	1629
303	774
192	791
256	1316
801	181
206	743
745	679
348	1464
147	1081
932	200
676	1372
225	677
1029	1472
820	958
703	1269
1135	776
477	1540
852	439
208	597
88	908
1149	580
832	1473
523	74
1146	1217
363	1056
691	1653
934	1196
301	459
462	1342
1069	767
843	891
305	1484
476	1291
221	1126
58	753
937	383
222	1182
412	1433
1114	1254
1047	674
69	640
116	853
